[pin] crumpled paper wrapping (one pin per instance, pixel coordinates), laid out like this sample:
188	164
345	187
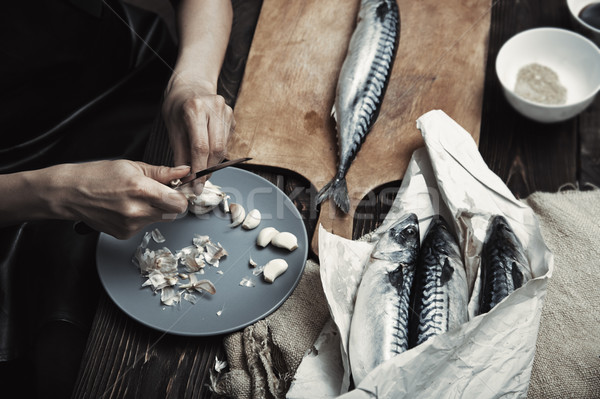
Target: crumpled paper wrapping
491	355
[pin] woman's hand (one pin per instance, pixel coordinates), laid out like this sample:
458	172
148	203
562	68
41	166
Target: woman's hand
198	120
115	197
119	197
199	123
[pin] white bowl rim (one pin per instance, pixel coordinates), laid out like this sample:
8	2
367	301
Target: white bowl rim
581	21
562	31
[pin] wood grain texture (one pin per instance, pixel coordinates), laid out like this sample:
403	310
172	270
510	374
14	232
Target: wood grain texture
283	109
527	155
589	145
125	359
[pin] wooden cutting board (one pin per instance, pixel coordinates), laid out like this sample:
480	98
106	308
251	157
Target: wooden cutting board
285	100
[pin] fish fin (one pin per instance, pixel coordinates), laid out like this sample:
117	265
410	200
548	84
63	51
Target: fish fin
338	190
396	278
333	114
517	276
324	193
447	271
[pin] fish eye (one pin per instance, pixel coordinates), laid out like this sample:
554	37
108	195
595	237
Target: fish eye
411	231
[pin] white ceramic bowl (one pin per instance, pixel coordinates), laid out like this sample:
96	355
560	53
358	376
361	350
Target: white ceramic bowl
575	7
575	59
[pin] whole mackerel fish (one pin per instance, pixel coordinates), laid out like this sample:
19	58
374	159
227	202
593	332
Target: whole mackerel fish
440	292
361	86
504	265
379	327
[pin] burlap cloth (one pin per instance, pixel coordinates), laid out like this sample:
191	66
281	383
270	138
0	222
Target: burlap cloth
263	357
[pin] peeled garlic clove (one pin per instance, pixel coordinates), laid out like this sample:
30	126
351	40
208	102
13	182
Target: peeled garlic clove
252	219
273	269
265	236
238	214
285	240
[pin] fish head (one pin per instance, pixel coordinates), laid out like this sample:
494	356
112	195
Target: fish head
500	233
439	226
440	233
400	243
499	229
499	222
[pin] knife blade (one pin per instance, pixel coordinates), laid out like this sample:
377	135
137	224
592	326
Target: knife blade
193	176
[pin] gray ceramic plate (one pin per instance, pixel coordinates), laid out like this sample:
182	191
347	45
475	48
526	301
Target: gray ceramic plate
240	306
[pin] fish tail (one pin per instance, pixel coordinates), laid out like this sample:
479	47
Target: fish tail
338	190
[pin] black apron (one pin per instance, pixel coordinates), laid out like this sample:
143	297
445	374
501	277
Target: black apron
76	84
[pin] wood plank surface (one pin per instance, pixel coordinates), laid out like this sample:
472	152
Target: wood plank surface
529	156
125	359
283	109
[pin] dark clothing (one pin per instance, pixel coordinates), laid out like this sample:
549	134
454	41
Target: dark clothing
76	84
58	59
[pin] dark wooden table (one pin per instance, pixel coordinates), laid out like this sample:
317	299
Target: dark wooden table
124	359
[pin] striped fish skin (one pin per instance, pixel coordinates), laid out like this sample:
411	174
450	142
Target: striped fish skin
379	327
440	292
504	265
361	87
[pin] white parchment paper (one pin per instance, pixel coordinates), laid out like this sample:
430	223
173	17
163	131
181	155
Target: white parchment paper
491	355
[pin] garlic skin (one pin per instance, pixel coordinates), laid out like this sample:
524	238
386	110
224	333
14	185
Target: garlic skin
252	263
225	204
265	236
273	269
252	219
238	214
209	199
285	240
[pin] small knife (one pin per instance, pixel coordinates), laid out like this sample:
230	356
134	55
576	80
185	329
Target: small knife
193	176
82	228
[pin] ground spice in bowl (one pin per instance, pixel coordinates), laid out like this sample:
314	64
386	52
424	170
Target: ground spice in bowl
540	84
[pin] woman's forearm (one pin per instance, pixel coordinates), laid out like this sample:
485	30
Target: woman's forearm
203	28
29	196
198	119
116	197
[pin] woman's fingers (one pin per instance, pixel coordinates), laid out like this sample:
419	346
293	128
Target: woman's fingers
199	123
122	197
